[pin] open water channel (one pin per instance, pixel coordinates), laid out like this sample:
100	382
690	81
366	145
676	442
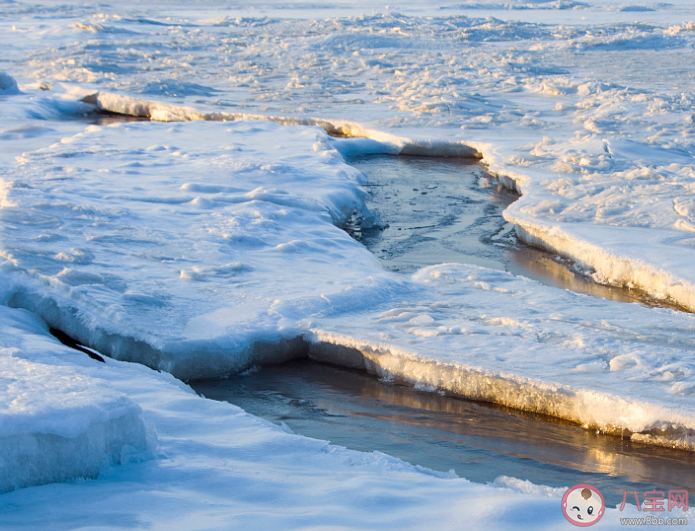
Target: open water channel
433	211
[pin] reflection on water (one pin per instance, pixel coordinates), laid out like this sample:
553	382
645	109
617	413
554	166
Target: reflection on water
437	210
479	441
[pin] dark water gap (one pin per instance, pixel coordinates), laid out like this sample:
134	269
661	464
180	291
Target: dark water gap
71	342
435	210
479	441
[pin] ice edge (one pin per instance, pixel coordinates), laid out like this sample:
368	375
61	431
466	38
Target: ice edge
590	409
610	414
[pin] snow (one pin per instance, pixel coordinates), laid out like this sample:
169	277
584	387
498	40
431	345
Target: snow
480	333
57	424
208	239
133	232
8	85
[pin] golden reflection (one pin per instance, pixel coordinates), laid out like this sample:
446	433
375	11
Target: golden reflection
541	265
510	431
428	428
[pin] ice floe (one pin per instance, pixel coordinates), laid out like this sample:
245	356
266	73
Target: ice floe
214	466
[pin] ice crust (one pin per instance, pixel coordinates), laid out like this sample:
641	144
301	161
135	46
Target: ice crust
594	126
600	224
129	249
182	249
490	336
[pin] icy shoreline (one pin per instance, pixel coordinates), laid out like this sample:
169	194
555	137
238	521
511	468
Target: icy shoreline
202	260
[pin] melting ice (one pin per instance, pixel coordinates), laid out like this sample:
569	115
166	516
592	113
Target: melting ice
202	247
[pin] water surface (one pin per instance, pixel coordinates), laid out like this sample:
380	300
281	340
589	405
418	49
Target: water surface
437	210
477	440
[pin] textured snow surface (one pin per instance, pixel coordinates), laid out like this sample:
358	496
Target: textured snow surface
586	107
182	245
216	248
201	248
492	336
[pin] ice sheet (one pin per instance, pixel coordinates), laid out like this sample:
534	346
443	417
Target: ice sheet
163	243
490	336
216	248
584	106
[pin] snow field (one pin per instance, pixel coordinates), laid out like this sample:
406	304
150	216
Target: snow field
602	231
114	236
585	107
157	235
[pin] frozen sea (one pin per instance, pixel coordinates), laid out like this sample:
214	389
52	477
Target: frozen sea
174	188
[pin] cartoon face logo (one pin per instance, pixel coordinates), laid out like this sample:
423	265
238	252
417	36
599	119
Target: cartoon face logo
583	505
